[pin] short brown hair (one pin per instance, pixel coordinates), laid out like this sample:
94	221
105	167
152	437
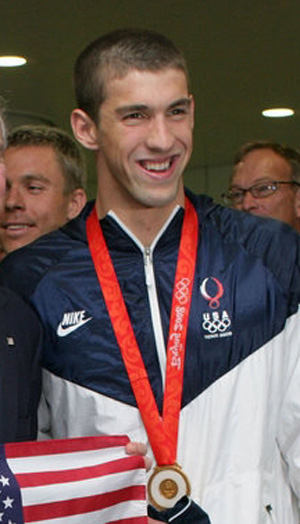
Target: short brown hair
68	153
113	55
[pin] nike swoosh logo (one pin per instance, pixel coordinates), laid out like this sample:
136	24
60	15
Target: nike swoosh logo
64	331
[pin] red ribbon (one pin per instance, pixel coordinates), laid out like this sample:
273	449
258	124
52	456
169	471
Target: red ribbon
162	431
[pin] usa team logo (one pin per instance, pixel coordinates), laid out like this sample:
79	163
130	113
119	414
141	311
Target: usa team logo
212	290
216	324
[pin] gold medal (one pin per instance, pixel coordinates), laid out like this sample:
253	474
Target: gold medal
167	485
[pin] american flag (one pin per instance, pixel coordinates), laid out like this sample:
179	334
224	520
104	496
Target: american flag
88	480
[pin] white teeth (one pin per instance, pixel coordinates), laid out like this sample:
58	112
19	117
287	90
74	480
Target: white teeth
16	226
157	166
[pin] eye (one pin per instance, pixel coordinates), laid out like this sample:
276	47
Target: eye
133	118
35	188
264	189
178	112
236	195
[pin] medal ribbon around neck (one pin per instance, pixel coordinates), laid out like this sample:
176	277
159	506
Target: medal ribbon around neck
162	431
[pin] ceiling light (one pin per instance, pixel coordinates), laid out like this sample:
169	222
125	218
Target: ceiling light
278	112
12	61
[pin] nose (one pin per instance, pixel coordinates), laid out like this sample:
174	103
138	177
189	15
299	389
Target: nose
160	136
13	199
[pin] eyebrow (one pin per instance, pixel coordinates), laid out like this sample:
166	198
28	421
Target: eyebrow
264	180
131	109
35	178
186	101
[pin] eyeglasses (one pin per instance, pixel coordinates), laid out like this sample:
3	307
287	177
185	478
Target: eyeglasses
236	196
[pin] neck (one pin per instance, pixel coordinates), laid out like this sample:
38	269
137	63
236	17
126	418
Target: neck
144	223
143	211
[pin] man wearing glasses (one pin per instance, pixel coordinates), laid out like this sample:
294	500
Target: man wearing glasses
266	182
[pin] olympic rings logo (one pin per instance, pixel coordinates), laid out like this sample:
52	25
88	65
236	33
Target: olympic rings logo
213	301
216	324
182	290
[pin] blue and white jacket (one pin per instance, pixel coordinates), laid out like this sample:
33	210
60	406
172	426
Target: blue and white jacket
239	434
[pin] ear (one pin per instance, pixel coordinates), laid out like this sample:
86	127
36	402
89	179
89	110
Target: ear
84	129
76	203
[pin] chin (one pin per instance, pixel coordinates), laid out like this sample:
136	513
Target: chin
158	202
161	197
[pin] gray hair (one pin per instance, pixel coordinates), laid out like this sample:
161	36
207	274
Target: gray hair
291	155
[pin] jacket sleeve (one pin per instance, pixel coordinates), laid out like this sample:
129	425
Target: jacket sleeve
185	510
289	414
21	369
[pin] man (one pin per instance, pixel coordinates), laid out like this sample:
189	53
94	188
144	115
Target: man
266	181
172	319
45	184
20	344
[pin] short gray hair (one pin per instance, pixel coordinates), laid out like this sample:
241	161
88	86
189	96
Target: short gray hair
291	155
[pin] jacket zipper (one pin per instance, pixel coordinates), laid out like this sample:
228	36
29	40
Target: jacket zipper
155	311
151	288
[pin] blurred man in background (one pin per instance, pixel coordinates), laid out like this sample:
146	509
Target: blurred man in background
45	184
266	181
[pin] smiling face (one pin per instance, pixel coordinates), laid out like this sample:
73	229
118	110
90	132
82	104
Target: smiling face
143	141
145	136
35	201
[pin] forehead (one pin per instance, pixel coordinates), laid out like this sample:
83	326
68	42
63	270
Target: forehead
31	158
147	86
259	165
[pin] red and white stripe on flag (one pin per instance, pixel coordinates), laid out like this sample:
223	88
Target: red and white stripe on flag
88	480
